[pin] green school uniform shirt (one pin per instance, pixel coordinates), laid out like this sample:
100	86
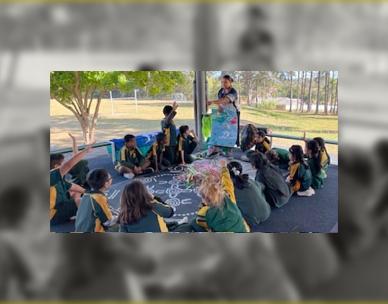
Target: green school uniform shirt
317	173
277	192
283	157
93	212
300	175
59	194
131	157
152	221
156	150
169	129
252	203
187	145
228	217
263	146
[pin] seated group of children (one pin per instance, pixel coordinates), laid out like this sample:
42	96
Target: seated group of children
230	200
168	149
307	168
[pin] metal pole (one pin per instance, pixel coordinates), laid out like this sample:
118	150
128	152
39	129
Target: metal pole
200	102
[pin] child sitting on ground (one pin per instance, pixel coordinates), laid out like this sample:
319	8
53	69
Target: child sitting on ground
219	211
187	142
141	211
81	169
278	157
277	192
156	153
317	172
132	162
263	144
93	214
299	177
324	157
249	195
169	129
65	197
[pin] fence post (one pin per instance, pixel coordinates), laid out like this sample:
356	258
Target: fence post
111	101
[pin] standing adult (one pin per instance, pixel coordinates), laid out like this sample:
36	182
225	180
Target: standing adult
227	102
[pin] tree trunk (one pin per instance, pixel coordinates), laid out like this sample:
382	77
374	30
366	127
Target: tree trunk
303	91
319	82
256	93
297	87
311	80
336	97
291	74
326	90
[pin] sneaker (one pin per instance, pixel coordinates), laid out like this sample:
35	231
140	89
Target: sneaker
309	192
129	175
117	167
185	220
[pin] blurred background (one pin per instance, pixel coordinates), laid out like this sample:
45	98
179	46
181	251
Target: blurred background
349	38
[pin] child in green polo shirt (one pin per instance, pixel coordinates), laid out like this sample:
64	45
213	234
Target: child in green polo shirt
278	157
187	142
324	156
64	196
263	144
156	153
249	195
131	161
219	211
299	177
140	211
169	129
93	213
317	172
81	169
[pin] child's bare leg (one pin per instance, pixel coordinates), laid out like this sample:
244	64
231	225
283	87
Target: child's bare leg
123	170
146	164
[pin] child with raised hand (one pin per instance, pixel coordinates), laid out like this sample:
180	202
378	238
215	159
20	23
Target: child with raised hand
249	195
263	144
141	211
132	162
169	129
276	190
317	172
156	153
299	177
94	214
324	157
81	169
219	211
187	142
65	197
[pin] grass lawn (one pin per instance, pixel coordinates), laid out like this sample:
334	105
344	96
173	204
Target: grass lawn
127	118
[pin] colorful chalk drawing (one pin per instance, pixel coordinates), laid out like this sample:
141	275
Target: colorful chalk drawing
224	127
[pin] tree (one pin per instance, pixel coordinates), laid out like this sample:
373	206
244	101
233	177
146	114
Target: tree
303	90
326	90
319	82
82	92
297	87
310	92
291	75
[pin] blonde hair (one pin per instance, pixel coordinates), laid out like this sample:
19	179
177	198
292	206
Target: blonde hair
211	190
